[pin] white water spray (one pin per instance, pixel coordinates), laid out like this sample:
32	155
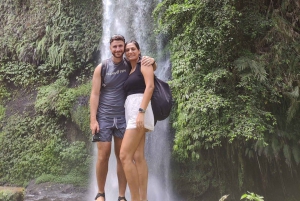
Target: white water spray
132	19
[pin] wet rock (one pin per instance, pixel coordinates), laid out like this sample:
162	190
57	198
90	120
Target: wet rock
54	192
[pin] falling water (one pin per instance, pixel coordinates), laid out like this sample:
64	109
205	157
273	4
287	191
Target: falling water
132	19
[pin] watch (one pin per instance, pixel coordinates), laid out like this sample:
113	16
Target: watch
141	110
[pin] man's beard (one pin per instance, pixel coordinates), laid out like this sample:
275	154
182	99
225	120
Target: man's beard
114	54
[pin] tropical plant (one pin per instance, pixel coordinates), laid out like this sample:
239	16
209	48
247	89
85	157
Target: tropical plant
252	196
235	81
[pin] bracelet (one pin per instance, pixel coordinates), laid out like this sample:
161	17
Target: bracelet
141	110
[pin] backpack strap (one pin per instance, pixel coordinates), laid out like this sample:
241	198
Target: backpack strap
103	72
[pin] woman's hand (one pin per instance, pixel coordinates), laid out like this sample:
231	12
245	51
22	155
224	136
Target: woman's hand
140	120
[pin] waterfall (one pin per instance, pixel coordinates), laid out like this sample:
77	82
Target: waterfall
132	19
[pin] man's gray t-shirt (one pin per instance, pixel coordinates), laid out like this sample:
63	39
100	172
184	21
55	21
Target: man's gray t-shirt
112	96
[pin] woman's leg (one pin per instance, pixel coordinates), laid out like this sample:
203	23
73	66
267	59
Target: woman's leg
130	143
142	168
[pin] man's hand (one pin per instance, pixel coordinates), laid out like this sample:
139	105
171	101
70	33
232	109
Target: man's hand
94	126
148	61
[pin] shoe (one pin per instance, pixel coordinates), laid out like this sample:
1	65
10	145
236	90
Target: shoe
121	198
100	195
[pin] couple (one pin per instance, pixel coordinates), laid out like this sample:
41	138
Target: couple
131	80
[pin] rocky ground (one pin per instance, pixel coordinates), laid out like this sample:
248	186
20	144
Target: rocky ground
54	192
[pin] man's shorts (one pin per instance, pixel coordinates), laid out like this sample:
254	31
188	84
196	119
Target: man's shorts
110	126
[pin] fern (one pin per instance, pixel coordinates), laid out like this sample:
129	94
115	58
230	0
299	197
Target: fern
276	147
41	47
287	154
294	106
62	53
53	54
252	196
296	153
256	68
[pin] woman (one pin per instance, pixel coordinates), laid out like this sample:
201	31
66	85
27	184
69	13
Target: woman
139	117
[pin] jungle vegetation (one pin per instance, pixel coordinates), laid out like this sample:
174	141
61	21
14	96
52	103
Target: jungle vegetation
235	79
47	53
235	82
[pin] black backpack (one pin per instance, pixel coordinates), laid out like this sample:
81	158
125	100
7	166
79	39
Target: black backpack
161	100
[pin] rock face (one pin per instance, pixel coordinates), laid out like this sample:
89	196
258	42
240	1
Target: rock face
11	194
54	192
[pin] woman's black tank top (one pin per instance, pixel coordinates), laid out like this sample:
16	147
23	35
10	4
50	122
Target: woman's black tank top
135	82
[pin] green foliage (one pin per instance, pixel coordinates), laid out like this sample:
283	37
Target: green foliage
75	163
214	102
20	74
222	90
4	94
49	45
54	98
11	195
71	178
80	111
29	159
57	98
197	182
79	115
2	113
252	196
235	79
56	43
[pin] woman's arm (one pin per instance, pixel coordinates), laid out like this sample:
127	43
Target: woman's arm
149	81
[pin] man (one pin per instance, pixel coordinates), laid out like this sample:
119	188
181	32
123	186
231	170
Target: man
107	113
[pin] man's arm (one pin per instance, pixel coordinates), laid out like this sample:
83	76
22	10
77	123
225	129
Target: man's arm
94	99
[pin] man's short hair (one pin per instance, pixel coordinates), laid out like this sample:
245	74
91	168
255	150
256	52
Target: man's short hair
117	37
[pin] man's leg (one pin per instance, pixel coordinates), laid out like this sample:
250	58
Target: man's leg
104	149
142	167
120	172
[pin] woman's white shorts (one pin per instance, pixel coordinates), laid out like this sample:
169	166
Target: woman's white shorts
132	105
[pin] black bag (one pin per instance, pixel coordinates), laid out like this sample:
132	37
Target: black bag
161	100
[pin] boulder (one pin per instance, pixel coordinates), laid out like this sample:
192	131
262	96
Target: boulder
11	193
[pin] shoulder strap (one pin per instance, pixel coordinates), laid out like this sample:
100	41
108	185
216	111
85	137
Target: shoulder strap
103	72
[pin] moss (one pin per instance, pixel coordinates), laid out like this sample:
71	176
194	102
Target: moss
11	194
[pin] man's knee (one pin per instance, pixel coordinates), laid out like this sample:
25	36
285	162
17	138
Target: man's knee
103	158
103	155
